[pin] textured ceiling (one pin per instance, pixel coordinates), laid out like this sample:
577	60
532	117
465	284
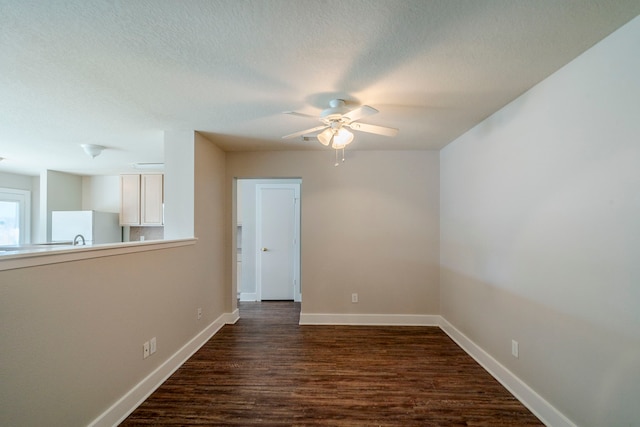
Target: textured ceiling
119	73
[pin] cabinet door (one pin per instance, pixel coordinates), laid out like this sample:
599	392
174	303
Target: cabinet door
151	212
129	199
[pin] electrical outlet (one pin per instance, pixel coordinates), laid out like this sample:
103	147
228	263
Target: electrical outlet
199	313
152	345
514	348
354	298
145	350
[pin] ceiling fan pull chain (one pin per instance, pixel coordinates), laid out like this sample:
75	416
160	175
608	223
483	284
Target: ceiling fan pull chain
336	164
342	154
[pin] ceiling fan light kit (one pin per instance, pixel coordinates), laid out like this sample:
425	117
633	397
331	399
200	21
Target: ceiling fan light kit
325	136
336	119
341	139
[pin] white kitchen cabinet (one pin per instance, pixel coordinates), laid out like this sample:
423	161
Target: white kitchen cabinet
151	199
142	198
129	199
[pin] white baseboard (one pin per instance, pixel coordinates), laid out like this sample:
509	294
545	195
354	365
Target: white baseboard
253	297
369	319
134	397
546	412
248	296
542	409
231	318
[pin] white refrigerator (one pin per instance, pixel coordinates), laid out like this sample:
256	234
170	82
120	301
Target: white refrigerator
96	227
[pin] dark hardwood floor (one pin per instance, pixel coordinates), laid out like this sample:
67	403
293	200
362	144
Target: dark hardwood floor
268	370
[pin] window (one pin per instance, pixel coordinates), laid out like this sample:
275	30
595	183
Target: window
15	216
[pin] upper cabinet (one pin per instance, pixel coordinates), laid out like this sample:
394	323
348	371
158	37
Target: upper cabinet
129	199
142	199
151	199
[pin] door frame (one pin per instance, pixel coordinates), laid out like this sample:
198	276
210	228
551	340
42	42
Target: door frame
23	199
297	288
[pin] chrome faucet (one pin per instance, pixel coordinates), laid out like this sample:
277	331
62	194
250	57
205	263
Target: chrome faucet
75	240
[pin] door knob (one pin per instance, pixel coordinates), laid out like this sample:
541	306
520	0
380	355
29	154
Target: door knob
264	249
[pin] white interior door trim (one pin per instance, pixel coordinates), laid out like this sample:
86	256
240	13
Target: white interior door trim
23	198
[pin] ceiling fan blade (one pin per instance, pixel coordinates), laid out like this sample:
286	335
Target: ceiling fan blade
303	132
293	113
379	130
359	113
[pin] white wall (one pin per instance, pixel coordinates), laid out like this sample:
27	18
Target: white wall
178	187
369	226
540	234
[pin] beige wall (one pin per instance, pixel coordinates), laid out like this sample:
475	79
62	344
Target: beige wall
540	238
16	181
525	228
210	224
60	192
72	333
101	193
368	226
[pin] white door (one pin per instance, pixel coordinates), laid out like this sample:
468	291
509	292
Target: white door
277	244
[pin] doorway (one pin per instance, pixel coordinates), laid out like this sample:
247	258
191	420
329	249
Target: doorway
268	237
15	217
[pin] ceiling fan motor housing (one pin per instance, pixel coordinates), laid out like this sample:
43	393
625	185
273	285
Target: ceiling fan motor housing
336	110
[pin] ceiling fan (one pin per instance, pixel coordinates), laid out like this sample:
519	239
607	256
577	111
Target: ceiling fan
335	121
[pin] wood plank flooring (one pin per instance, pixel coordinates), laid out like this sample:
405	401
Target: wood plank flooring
267	370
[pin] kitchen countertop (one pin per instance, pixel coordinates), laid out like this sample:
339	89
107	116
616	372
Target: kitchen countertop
37	247
12	257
